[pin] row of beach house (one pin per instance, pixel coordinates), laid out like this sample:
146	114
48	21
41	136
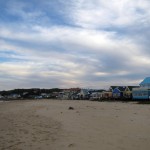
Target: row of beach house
113	93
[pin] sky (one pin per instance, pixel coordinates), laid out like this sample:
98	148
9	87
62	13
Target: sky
74	43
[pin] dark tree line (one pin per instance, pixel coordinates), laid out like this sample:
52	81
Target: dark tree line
34	91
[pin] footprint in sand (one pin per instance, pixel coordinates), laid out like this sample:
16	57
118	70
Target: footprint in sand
71	145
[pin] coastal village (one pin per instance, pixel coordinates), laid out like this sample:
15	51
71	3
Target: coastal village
113	93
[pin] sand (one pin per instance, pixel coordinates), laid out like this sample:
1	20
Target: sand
50	125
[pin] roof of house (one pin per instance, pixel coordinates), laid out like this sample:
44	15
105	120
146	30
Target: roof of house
146	81
121	88
113	87
131	87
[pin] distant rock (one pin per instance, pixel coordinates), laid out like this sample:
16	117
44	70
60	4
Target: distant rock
71	108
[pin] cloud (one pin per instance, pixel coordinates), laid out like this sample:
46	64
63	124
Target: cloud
74	43
104	14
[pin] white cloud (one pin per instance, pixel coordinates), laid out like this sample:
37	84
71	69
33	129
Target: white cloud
100	48
102	14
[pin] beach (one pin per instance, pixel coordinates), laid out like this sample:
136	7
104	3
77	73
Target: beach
89	125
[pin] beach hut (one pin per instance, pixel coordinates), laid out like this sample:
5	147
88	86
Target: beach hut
96	94
84	94
118	92
143	92
128	91
107	95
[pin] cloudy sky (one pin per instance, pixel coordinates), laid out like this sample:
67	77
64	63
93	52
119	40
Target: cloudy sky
73	43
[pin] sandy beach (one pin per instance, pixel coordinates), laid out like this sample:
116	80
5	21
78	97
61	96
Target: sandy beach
50	125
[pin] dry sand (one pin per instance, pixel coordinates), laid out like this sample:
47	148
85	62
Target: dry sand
50	125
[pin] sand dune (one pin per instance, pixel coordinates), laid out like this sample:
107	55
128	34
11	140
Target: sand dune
50	125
